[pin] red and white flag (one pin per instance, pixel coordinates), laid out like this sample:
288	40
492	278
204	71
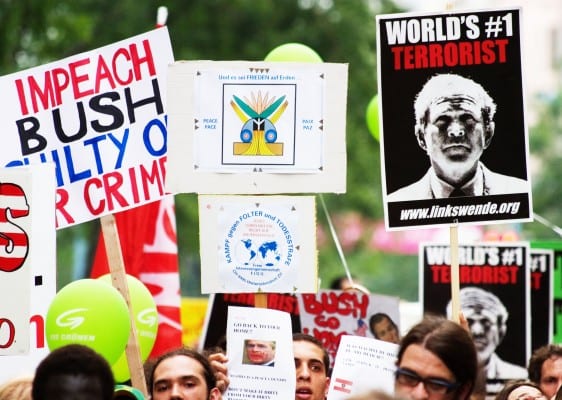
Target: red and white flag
150	253
343	385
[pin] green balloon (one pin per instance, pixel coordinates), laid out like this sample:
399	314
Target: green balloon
146	324
295	52
372	116
91	313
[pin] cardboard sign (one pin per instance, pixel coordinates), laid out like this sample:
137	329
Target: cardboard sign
258	244
494	297
214	326
362	364
542	267
256	127
260	354
331	314
27	266
443	165
100	118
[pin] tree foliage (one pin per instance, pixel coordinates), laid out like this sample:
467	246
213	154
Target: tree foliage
342	31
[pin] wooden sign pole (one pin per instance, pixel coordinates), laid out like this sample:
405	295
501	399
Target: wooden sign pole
260	300
119	281
455	281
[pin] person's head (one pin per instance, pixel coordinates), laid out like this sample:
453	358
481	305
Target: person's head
383	328
259	352
454	125
486	317
16	389
436	360
184	374
545	368
73	371
312	363
521	390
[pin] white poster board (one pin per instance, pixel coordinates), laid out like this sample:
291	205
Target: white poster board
362	364
28	202
254	377
100	118
258	244
239	127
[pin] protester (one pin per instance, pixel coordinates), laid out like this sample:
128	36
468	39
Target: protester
126	392
73	372
521	390
383	328
545	368
182	373
16	389
454	124
440	355
312	364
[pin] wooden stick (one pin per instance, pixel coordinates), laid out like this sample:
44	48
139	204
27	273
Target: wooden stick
119	281
260	300
455	281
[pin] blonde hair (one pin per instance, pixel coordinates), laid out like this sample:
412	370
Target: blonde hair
16	389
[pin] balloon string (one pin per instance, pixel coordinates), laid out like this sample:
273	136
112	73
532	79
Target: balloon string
336	240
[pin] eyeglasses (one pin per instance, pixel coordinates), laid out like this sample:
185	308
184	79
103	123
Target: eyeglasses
432	385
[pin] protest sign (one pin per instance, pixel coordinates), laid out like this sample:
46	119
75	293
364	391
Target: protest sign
260	354
100	118
214	327
449	165
362	364
542	267
331	314
27	267
494	297
258	244
556	272
256	127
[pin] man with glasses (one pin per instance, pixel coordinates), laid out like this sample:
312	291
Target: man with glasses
436	360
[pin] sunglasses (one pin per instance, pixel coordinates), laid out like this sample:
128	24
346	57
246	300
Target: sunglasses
432	385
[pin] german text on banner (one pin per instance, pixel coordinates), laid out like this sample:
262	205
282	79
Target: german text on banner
256	127
258	244
100	118
454	142
27	266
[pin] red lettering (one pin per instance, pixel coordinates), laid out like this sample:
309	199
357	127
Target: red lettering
138	60
61	203
39	330
77	79
14	242
441	273
536	280
96	183
103	73
58	84
129	78
21	96
330	322
112	182
11	333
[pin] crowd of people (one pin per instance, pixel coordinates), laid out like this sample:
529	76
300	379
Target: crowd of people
436	359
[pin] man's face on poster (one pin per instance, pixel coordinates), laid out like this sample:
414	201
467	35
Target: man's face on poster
259	351
485	331
454	136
